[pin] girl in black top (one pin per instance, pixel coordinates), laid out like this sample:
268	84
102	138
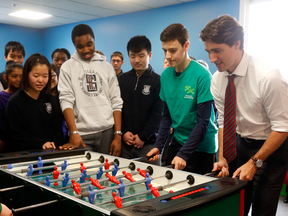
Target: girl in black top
33	115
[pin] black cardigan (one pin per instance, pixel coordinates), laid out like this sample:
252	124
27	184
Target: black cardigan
31	123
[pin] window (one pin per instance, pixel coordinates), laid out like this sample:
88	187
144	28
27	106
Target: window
266	31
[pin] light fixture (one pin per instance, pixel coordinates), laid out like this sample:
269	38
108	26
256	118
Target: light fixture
30	15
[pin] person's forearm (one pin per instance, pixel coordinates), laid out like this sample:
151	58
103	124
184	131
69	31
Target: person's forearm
220	140
70	119
117	120
117	123
273	142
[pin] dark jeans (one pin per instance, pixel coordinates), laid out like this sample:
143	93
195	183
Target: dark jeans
199	162
264	189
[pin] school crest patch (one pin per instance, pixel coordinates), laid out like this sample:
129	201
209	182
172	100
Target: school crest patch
48	108
146	89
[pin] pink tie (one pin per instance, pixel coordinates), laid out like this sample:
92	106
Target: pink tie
229	133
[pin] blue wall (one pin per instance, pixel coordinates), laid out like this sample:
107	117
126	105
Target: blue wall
30	38
113	33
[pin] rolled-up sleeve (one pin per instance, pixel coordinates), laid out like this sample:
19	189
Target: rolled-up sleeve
274	94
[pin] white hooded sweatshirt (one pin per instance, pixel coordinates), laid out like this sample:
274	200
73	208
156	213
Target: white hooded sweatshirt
91	89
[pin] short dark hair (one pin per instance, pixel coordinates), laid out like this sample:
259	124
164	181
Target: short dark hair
81	29
61	50
99	52
10	66
138	43
117	53
224	29
55	69
14	46
175	31
32	61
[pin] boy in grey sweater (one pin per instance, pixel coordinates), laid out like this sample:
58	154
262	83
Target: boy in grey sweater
90	97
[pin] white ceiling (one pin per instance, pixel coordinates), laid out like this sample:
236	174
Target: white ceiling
71	11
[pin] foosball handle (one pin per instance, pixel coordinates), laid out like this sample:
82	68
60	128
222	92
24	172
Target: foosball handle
214	173
150	156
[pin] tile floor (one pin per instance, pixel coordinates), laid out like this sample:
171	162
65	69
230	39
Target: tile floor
282	209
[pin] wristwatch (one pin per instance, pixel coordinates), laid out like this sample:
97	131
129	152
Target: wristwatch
258	163
118	132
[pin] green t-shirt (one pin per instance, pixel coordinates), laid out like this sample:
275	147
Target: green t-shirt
0	208
182	94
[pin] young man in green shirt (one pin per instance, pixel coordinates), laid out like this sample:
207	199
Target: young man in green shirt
185	90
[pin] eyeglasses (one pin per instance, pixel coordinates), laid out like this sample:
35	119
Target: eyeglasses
116	61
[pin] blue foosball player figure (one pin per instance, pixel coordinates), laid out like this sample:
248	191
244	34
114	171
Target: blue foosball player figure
148	181
84	176
64	165
115	169
122	188
30	170
100	172
47	181
40	164
66	180
91	197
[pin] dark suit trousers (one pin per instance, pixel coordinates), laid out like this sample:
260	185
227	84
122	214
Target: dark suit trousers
264	189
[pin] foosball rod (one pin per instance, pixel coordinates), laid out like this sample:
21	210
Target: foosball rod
168	175
130	166
100	159
11	188
86	194
10	166
190	180
26	208
116	161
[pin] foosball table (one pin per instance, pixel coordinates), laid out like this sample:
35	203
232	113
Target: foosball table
81	182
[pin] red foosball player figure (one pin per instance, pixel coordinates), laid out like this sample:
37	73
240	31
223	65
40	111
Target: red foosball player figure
128	176
112	178
76	186
96	183
142	172
56	175
154	190
82	167
107	164
117	200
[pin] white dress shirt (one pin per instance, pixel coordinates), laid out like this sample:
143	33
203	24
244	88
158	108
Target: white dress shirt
262	98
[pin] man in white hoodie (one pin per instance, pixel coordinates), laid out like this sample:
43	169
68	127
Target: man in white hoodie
90	97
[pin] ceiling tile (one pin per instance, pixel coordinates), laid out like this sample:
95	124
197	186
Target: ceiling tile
95	2
101	12
125	7
69	11
153	3
68	5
